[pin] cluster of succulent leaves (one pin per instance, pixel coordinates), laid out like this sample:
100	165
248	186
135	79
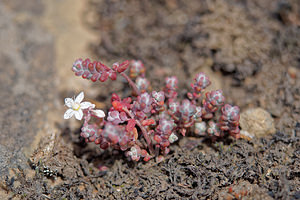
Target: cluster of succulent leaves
145	124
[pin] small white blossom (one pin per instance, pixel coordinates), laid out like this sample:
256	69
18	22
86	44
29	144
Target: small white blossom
98	113
200	128
173	138
76	107
133	152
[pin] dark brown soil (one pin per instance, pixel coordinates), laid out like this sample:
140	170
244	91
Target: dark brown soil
253	45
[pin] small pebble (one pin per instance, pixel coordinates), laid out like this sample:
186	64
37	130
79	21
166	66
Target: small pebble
257	122
292	71
246	135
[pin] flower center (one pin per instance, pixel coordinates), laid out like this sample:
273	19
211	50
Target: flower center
76	106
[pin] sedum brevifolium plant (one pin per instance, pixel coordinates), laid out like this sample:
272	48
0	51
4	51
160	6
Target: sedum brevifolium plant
145	124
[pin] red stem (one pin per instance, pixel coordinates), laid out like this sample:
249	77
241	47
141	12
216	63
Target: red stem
131	83
144	131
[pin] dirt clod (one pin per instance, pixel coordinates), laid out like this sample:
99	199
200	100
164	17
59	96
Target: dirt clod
257	121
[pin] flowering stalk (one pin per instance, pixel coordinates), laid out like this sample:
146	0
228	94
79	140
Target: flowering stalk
131	83
76	108
156	117
98	71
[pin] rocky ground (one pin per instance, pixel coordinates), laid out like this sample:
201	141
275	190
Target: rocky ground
250	49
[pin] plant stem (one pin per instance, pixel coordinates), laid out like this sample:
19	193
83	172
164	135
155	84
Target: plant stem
144	131
131	83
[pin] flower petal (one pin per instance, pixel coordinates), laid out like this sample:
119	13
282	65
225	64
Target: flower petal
86	104
79	98
79	114
69	102
98	113
68	114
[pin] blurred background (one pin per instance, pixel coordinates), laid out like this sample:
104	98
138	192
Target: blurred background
250	50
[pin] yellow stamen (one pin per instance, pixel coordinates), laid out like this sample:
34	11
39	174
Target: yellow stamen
76	106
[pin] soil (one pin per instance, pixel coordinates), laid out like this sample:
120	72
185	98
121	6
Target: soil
250	49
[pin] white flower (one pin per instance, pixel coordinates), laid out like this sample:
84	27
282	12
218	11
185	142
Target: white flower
75	106
200	128
173	138
133	152
98	113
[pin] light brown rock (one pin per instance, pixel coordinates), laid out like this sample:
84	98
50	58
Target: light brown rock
257	121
